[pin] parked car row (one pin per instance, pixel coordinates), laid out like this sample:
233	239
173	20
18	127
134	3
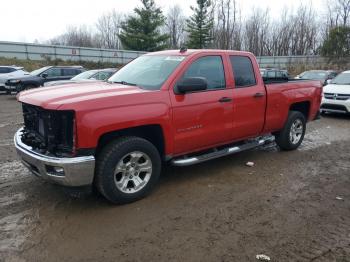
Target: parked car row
16	79
322	75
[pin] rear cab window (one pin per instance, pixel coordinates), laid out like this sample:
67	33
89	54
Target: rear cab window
243	71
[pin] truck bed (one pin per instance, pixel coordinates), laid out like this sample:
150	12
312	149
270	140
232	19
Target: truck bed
291	91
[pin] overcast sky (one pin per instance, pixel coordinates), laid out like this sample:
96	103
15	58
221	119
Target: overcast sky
27	20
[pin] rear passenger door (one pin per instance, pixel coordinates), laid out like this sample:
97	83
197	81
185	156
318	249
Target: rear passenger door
249	98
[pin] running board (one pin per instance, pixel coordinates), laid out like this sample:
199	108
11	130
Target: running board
186	161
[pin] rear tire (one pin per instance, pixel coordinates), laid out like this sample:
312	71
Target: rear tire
127	169
292	134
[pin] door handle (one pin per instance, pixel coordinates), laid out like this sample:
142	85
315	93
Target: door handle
257	95
225	99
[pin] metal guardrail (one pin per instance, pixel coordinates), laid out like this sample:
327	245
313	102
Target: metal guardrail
286	61
72	53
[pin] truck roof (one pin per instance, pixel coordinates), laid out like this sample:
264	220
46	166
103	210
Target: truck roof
188	52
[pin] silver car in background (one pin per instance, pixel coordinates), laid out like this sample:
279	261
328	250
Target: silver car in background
91	75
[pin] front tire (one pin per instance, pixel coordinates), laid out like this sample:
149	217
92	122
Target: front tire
127	169
292	135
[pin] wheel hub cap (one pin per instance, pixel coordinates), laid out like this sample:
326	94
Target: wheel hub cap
296	131
133	172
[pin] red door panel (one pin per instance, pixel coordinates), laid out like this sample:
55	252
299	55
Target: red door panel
249	97
203	119
200	120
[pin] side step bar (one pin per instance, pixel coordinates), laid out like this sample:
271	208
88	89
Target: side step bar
187	161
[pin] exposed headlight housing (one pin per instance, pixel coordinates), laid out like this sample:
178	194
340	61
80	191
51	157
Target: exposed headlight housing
49	131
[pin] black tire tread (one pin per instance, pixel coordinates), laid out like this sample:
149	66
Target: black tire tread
282	137
103	157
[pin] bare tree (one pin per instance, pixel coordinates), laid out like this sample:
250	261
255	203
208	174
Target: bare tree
75	36
256	32
304	33
342	8
227	30
175	26
108	28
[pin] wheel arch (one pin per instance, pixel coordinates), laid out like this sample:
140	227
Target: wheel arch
152	133
302	107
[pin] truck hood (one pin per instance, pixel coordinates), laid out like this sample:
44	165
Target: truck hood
337	89
73	96
66	82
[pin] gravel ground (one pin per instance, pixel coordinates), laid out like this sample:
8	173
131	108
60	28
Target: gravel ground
291	206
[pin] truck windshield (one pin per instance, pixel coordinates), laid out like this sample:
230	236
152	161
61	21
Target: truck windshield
342	79
148	72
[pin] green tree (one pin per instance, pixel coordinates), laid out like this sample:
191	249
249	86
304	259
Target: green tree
200	25
141	32
337	43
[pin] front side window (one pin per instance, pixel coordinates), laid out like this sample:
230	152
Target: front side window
53	72
148	71
210	68
243	71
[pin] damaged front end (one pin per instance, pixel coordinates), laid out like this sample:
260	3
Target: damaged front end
46	146
49	132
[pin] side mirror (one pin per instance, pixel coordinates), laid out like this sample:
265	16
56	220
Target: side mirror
329	81
44	75
191	84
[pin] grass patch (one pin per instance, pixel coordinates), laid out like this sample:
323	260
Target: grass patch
30	65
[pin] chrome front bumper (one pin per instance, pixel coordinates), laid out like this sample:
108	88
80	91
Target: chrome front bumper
75	171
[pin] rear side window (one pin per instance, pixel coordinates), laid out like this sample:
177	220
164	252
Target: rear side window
243	71
209	67
271	74
70	72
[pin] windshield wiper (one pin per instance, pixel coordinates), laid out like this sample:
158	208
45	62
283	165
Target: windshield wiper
124	83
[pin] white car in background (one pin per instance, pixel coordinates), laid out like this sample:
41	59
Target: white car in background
7	72
91	75
336	95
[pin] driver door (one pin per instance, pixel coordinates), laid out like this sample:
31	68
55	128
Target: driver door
203	119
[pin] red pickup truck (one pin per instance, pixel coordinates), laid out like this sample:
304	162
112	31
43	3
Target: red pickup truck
181	107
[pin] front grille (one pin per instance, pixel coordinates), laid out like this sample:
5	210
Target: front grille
48	131
334	107
335	96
